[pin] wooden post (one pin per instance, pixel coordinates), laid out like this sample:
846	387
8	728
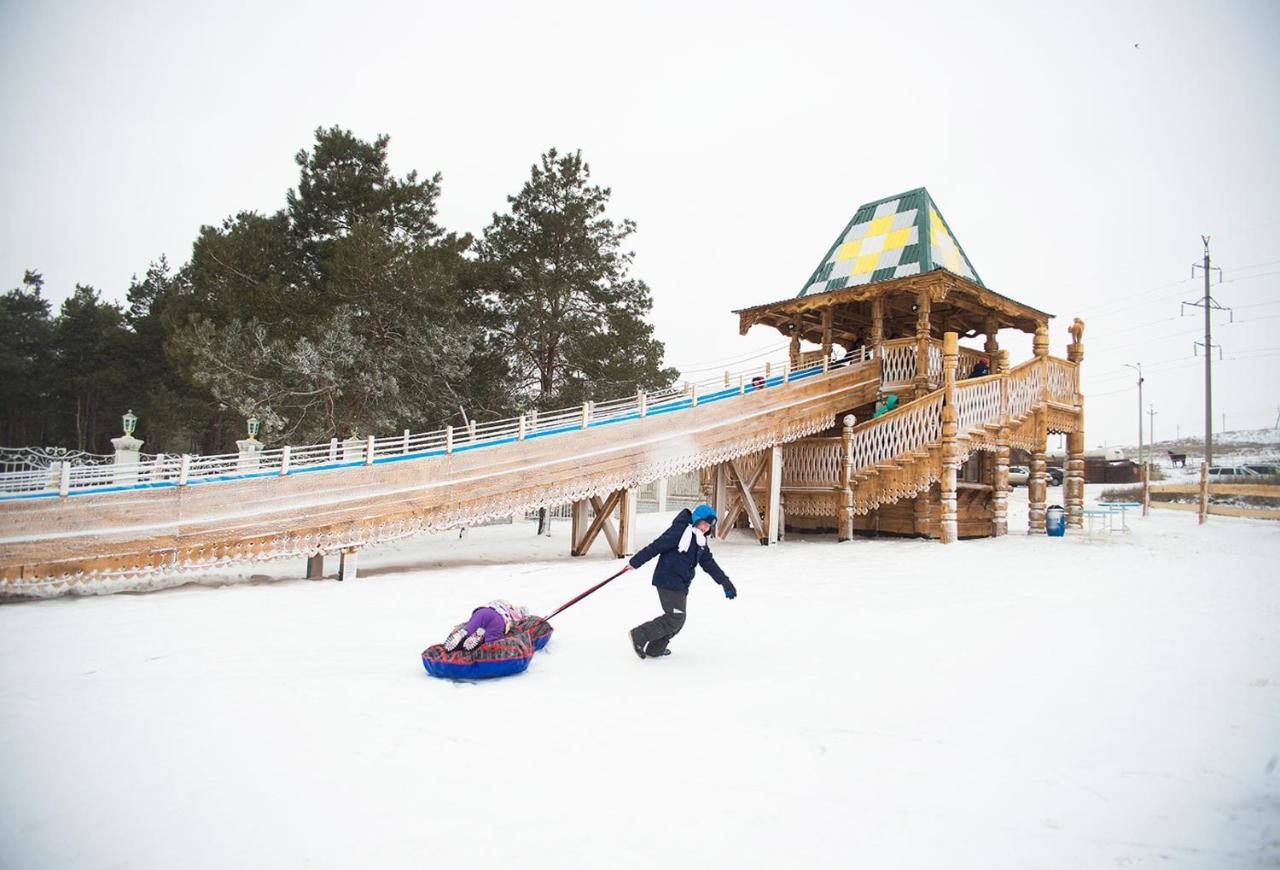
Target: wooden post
471	430
920	514
991	326
1204	491
1040	343
794	355
846	480
315	566
1002	358
627	524
348	564
1146	488
660	494
448	443
643	402
828	315
369	447
184	468
773	507
1037	483
333	449
1073	485
948	532
726	379
520	428
693	395
877	323
64	475
284	460
404	447
786	372
742	384
1000	484
586	414
720	490
579	521
920	384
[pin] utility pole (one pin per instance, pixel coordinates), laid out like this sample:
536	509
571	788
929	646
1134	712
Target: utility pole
1138	368
1151	429
1207	302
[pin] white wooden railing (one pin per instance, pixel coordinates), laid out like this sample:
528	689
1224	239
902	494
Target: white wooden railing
173	470
898	361
980	402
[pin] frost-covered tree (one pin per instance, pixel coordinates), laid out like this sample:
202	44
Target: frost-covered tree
344	311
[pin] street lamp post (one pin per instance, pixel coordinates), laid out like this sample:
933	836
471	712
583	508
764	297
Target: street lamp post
1138	368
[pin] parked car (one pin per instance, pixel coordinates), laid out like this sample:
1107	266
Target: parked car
1019	474
1266	470
1221	471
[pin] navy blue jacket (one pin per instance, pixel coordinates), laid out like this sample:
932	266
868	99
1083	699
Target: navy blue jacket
675	569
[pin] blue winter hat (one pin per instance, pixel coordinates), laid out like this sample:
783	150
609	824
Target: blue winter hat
704	512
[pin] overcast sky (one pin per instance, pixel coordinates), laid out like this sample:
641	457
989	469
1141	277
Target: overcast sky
1077	150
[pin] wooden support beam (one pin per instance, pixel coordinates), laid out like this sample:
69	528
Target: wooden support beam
773	508
602	521
626	524
348	564
743	501
948	527
315	567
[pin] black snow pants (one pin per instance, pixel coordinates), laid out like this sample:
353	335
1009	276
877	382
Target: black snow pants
657	633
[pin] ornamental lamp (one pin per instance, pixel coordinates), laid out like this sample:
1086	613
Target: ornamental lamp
254	425
130	422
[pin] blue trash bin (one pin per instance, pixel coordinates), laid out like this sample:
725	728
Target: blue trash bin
1055	521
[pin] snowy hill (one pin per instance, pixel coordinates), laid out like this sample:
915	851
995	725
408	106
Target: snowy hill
1003	703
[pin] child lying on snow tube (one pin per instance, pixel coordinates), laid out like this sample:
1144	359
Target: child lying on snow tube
490	622
508	654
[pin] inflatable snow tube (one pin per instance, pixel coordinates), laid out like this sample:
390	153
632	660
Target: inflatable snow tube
509	654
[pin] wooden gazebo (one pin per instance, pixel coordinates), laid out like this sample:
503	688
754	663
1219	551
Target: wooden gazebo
895	286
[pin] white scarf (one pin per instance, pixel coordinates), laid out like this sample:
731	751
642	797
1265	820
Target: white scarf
690	533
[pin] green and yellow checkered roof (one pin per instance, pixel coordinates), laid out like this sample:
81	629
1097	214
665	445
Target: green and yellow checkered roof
891	238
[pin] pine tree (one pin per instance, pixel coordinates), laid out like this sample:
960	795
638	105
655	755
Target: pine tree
343	312
26	358
570	316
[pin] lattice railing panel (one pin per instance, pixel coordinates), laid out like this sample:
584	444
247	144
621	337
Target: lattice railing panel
979	403
899	432
812	462
1061	381
897	361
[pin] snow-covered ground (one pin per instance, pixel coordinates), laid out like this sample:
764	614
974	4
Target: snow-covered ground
1011	703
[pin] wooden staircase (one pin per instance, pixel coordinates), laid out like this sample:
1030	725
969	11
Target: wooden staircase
918	447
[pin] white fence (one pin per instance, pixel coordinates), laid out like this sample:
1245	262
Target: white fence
163	470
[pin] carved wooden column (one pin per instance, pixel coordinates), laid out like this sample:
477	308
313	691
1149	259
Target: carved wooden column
991	327
846	481
795	343
1037	484
827	316
1073	486
950	457
1000	484
920	385
1000	365
1040	343
920	514
877	323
